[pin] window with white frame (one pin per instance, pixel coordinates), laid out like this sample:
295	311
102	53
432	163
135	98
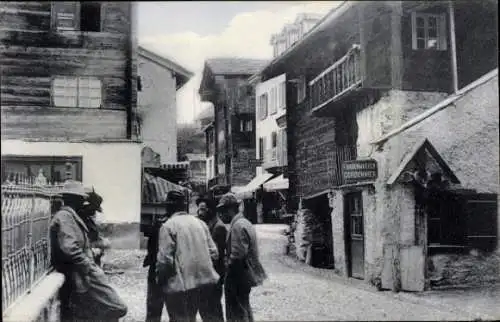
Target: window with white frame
301	89
428	31
70	91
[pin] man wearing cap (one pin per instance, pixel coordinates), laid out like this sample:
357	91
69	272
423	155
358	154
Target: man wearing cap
211	310
85	294
184	264
244	269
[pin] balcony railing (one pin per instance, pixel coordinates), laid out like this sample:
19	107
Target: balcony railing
337	80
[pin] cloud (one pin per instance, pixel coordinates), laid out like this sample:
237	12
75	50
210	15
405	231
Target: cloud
247	35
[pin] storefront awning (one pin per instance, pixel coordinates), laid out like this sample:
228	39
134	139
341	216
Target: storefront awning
278	183
246	191
155	189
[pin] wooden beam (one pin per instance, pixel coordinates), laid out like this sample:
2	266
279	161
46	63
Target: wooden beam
453	51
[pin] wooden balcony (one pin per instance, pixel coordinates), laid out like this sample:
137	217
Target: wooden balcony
337	81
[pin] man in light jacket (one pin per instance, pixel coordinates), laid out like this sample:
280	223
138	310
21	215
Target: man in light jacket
244	269
184	265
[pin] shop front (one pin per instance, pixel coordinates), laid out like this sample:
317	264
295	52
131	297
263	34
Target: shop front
251	196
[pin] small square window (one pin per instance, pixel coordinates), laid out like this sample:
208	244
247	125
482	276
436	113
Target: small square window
429	31
70	91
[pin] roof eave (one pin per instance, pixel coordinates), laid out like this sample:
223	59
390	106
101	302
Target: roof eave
181	73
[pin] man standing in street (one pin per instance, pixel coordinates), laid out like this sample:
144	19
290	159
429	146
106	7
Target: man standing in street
154	297
86	294
244	269
211	310
184	265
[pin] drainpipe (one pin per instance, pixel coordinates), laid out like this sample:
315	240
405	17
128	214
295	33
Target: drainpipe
454	69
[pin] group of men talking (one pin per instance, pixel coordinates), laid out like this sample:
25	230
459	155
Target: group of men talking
192	259
195	259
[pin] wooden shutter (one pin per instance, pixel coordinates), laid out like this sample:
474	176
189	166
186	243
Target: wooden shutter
66	15
482	221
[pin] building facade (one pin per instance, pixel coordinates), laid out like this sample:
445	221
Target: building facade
160	79
69	97
271	148
361	72
225	85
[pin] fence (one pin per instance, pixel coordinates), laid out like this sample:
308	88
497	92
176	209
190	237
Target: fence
26	214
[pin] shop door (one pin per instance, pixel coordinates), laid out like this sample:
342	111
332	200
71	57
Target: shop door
355	235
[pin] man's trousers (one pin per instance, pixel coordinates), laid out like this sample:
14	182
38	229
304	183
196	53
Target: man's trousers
237	298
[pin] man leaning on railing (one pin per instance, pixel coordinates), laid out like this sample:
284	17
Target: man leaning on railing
86	294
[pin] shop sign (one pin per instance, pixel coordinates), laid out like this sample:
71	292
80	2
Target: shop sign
356	171
254	162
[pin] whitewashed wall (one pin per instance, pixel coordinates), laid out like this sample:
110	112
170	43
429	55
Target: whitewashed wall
114	169
157	105
264	128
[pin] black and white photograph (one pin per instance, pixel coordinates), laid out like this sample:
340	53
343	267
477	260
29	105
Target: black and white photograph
241	161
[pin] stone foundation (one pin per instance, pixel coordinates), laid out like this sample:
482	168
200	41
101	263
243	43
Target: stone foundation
475	269
42	304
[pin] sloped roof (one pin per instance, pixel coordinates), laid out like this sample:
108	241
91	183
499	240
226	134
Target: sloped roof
423	145
235	66
182	74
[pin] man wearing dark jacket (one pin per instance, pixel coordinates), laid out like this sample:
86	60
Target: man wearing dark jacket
154	296
211	309
86	294
244	269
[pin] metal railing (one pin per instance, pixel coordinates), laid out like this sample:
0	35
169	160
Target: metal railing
26	215
336	80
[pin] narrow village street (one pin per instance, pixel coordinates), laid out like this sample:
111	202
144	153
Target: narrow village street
297	292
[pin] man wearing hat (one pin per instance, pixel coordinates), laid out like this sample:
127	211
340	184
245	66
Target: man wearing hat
211	310
88	214
85	294
244	269
184	263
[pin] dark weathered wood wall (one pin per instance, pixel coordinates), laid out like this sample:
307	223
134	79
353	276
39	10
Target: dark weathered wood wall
235	150
31	54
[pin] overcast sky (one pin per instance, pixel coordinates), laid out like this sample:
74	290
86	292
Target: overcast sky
189	32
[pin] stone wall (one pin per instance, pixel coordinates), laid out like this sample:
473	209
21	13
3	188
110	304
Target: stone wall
41	304
381	207
465	134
